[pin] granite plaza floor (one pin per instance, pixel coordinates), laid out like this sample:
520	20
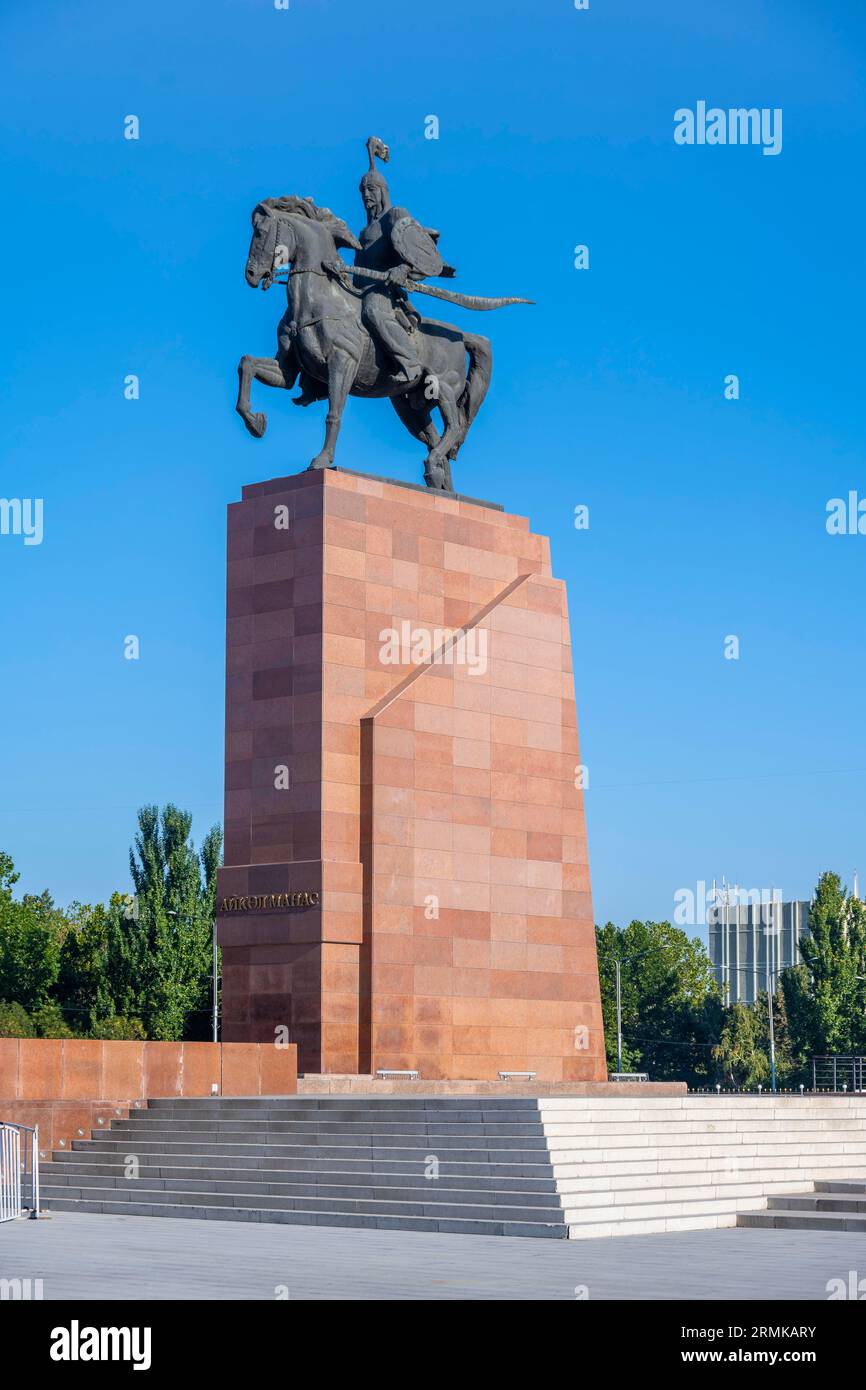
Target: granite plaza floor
82	1256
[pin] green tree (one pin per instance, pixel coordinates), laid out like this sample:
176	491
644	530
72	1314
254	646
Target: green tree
741	1053
82	988
834	954
49	1021
803	1022
15	1021
160	941
31	931
671	1009
787	1063
8	876
117	1029
140	966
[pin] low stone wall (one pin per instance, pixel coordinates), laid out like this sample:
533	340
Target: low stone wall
70	1086
62	1121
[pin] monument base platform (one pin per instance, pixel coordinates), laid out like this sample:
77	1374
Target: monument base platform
370	1087
406	879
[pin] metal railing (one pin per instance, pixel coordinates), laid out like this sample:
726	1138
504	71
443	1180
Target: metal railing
10	1172
19	1170
838	1073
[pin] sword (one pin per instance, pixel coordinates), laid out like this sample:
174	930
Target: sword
466	301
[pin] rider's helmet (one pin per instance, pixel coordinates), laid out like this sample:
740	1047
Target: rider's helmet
373	182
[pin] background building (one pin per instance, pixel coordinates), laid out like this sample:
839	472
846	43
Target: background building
751	941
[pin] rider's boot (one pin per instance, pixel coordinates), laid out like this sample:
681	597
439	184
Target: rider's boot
401	348
408	372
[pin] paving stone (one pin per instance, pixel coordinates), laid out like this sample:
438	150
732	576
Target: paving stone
83	1256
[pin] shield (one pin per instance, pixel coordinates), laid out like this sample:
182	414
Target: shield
416	247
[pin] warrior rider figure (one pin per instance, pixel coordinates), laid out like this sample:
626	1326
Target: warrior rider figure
351	330
393	241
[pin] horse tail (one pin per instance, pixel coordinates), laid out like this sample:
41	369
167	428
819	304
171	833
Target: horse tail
477	381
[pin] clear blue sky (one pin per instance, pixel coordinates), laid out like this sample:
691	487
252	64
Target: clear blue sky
556	128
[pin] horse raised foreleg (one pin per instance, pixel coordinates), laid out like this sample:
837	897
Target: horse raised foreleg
341	374
266	370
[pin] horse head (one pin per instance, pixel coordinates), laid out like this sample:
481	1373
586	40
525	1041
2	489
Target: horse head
292	230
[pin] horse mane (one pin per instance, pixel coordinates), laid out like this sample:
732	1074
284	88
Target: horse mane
305	207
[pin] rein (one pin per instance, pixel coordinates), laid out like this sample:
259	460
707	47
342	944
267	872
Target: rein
295	328
332	275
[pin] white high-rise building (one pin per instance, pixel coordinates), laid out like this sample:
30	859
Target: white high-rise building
751	941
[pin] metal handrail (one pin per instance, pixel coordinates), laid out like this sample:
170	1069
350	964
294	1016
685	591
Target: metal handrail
19	1159
839	1072
10	1173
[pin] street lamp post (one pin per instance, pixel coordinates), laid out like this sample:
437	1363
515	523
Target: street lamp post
771	938
618	968
618	1018
215	985
772	1035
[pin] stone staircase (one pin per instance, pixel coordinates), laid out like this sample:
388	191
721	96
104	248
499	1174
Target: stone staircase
553	1166
321	1160
633	1166
831	1206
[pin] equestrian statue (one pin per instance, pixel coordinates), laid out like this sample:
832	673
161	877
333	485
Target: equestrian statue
352	330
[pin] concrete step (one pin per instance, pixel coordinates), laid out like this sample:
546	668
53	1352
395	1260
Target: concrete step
570	1162
686	1126
423	1136
470	1209
775	1179
504	1124
368	1220
481	1167
150	1124
624	1214
657	1225
857	1187
640	1137
528	1188
696	1192
830	1206
364	1104
790	1219
416	1154
705	1105
726	1158
64	1184
701	1105
817	1201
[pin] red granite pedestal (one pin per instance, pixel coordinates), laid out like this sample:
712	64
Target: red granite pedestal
406	882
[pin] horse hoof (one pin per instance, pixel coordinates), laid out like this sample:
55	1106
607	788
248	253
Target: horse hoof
434	476
256	423
320	461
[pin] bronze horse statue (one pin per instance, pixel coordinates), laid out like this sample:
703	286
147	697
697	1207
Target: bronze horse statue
323	339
